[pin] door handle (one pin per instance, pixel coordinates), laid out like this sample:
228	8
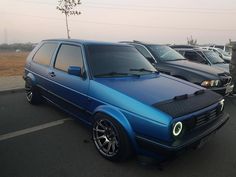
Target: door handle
52	74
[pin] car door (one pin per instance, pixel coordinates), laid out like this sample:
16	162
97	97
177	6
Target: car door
70	91
41	62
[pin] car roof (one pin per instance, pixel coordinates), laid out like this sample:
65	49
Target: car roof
85	42
142	43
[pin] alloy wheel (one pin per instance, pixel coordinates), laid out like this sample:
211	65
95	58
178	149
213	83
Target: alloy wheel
28	91
105	137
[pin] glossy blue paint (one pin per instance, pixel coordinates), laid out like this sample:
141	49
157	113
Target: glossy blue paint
128	99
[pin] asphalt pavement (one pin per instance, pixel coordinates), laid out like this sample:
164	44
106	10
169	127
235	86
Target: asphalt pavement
42	141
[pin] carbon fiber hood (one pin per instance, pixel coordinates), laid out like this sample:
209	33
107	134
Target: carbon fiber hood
186	104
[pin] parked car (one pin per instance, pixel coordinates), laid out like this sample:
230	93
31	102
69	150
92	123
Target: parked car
225	48
204	56
222	54
233	66
170	62
129	105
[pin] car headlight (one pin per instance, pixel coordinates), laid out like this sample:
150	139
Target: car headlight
210	83
222	103
177	128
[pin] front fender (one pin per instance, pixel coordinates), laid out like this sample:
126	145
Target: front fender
119	117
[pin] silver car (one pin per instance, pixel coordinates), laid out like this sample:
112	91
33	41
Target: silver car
204	56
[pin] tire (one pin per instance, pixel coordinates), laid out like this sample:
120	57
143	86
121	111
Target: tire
110	139
31	92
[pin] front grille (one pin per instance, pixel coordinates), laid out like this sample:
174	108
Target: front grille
203	119
225	79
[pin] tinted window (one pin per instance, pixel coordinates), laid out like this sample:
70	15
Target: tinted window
194	57
181	52
220	46
68	55
105	59
44	54
166	53
145	53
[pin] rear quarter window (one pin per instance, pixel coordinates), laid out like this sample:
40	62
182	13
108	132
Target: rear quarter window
44	54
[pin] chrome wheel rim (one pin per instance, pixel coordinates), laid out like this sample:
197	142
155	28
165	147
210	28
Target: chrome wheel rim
105	137
28	91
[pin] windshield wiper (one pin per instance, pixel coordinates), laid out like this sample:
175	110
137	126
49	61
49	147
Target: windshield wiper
115	74
143	70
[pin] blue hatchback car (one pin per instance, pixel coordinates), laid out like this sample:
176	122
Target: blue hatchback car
130	107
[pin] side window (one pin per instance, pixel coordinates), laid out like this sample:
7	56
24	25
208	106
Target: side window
68	55
44	54
202	55
194	57
181	52
145	53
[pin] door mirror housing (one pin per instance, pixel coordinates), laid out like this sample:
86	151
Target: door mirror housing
75	70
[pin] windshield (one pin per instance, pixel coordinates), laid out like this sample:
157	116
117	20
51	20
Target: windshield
213	57
117	61
166	53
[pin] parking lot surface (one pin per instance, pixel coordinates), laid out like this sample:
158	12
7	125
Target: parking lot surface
42	141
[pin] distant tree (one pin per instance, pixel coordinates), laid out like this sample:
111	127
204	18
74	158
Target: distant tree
191	41
17	46
68	7
230	42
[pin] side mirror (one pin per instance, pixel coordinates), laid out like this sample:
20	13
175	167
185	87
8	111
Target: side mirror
75	70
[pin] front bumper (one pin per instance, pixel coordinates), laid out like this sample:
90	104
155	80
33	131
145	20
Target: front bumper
184	143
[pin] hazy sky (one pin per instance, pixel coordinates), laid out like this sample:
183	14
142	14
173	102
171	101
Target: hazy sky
159	21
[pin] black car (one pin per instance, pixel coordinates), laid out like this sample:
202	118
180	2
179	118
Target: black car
170	62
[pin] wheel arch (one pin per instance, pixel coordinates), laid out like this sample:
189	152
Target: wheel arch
117	115
32	78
